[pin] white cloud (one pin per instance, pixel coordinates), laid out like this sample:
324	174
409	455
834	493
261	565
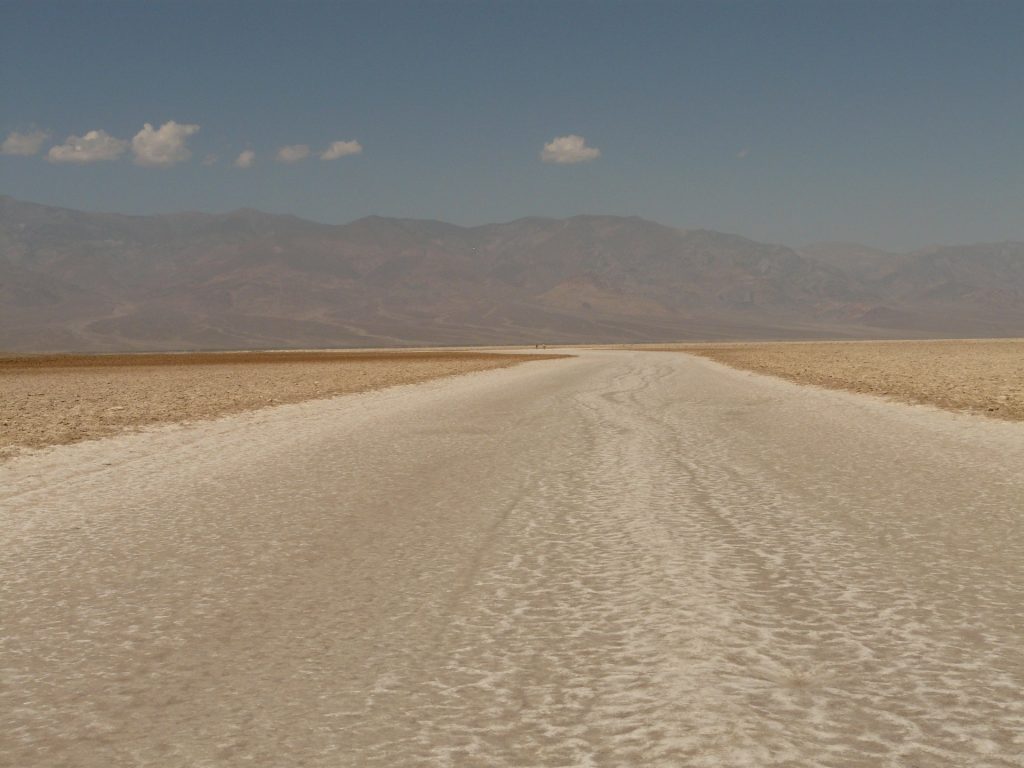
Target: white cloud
245	159
341	149
568	149
23	144
94	147
164	146
293	153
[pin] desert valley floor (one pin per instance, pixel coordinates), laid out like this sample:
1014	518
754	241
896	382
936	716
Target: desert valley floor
617	558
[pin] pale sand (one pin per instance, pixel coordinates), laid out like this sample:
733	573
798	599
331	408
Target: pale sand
620	559
54	400
976	376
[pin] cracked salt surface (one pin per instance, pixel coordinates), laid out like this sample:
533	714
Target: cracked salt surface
620	559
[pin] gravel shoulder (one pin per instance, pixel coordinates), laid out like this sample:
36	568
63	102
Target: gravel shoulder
975	376
59	399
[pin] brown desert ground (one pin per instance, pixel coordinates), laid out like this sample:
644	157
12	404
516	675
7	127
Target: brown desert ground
57	399
976	376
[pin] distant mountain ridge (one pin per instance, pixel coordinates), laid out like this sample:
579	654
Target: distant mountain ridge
71	280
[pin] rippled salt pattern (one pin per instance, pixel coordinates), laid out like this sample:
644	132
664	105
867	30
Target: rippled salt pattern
625	559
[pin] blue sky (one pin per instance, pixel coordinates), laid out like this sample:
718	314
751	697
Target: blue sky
896	124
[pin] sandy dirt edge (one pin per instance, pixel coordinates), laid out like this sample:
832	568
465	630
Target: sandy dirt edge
58	399
983	376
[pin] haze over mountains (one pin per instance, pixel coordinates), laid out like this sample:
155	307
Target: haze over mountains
77	281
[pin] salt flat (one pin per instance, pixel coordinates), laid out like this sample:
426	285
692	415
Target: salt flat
55	399
982	376
623	558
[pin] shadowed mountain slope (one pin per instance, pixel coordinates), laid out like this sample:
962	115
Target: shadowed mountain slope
71	280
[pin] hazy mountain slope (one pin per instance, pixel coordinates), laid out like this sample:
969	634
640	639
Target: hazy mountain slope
858	261
959	289
74	280
954	290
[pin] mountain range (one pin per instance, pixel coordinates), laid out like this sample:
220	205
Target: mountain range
77	281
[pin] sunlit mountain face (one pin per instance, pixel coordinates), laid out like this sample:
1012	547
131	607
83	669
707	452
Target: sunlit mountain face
79	281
